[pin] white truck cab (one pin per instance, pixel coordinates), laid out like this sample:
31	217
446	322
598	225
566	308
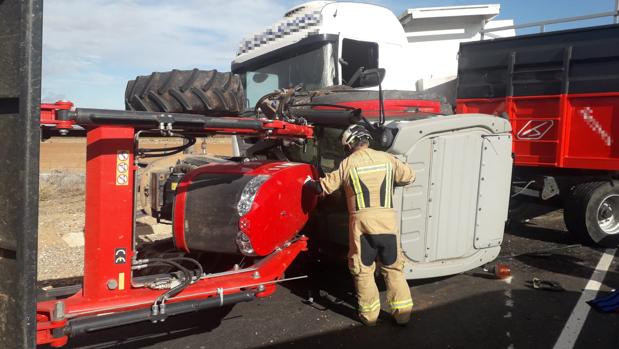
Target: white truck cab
323	43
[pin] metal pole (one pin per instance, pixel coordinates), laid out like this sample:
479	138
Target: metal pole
616	17
557	21
20	97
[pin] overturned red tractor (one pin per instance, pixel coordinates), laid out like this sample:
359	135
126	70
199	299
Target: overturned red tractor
252	208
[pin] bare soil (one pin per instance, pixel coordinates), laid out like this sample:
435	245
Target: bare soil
69	154
61	204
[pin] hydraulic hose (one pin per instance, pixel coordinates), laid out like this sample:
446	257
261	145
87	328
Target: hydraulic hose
193	261
175	290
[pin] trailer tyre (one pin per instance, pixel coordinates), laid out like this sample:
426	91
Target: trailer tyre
591	212
206	92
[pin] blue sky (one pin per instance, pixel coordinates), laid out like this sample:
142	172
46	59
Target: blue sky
92	47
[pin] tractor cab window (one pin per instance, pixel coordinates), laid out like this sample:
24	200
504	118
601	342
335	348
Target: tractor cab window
325	150
331	149
357	54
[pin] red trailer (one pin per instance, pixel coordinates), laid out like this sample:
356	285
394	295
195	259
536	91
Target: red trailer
560	91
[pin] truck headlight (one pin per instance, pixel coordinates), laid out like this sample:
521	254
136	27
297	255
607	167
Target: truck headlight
244	244
249	194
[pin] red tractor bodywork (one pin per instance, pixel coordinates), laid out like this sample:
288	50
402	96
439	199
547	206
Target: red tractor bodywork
395	107
48	112
397	104
110	292
278	211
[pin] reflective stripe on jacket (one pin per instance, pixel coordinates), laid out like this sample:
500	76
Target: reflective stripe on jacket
368	177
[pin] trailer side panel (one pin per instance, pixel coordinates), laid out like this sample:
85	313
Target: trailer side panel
560	91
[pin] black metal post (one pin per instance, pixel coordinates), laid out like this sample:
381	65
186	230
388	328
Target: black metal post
20	95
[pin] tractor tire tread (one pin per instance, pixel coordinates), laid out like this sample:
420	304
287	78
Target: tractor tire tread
180	97
148	84
200	94
205	92
167	83
190	81
160	102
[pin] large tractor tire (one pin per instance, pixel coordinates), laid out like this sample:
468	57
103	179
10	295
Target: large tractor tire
206	92
591	213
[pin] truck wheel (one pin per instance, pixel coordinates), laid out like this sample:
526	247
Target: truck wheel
591	212
206	92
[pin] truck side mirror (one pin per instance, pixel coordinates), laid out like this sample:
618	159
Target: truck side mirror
372	77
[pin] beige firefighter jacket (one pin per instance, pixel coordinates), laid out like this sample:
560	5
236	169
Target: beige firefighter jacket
368	177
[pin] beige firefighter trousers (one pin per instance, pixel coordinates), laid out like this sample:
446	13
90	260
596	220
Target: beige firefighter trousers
374	237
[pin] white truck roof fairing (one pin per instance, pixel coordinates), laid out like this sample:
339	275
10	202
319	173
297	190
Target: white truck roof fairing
434	35
452	22
487	12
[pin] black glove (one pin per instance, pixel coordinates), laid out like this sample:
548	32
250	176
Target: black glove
312	185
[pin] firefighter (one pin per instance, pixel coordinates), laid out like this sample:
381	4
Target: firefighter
368	177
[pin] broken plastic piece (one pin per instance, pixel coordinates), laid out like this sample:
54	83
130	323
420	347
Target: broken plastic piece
546	285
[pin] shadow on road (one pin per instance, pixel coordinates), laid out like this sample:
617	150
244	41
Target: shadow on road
486	320
459	313
537	233
331	287
562	263
146	333
453	314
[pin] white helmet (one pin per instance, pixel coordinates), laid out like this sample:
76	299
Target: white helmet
353	134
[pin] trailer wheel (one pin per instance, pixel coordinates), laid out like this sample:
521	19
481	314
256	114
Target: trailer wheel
591	212
206	92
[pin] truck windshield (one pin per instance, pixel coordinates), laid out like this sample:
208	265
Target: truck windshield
315	69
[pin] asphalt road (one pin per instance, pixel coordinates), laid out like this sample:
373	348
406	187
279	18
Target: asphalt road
470	310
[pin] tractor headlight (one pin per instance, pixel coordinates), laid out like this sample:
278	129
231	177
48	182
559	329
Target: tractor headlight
249	194
244	244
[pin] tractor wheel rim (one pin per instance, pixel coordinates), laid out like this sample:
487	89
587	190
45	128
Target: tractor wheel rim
608	215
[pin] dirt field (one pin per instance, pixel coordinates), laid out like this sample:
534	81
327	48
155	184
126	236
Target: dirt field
69	154
61	205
